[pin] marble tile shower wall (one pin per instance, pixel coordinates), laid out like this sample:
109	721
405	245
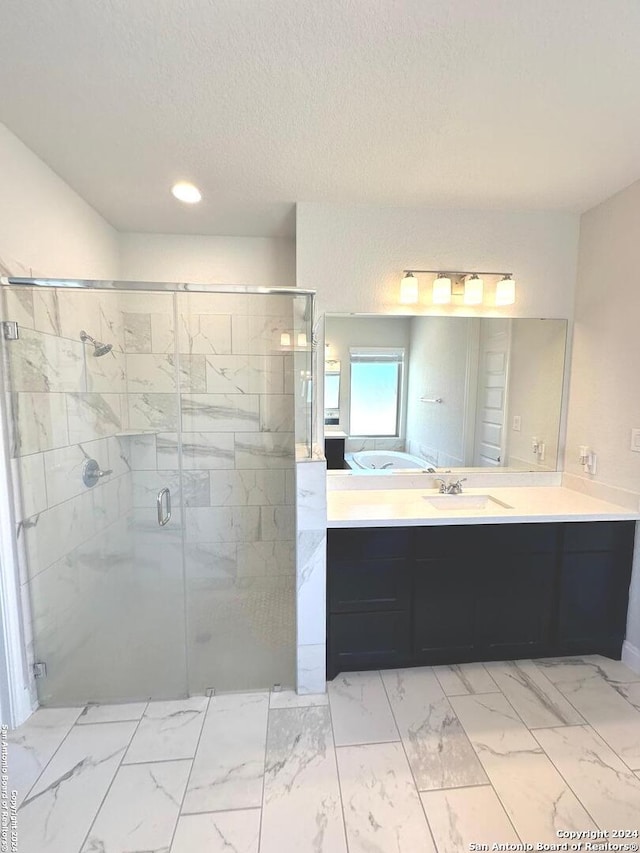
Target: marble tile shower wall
66	406
236	412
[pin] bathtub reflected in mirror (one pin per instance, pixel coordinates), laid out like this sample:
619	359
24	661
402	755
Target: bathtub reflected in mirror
448	392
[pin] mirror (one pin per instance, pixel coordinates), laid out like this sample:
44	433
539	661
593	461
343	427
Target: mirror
467	392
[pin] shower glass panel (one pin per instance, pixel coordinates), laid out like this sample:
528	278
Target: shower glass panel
169	570
237	401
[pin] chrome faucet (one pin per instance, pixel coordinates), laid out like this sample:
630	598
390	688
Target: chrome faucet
450	488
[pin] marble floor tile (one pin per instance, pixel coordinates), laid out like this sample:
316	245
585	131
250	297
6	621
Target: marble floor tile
60	809
382	810
576	668
218	832
608	789
291	699
360	709
437	747
462	678
535	796
168	731
537	701
141	809
228	769
462	816
111	713
31	745
631	692
302	810
615	719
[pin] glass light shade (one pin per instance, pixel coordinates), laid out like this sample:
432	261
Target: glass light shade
506	291
302	339
285	339
473	290
409	289
441	294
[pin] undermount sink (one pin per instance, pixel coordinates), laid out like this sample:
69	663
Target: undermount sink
448	502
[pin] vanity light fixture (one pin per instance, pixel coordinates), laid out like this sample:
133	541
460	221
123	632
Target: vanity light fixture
409	289
186	192
441	292
449	286
285	339
473	290
506	291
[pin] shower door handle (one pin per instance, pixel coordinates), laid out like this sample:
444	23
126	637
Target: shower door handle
163	503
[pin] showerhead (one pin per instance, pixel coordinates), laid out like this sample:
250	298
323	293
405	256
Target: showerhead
99	348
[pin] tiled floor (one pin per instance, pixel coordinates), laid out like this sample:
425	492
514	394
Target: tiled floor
409	761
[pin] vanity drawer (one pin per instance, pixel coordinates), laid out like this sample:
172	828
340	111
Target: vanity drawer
482	541
356	585
367	543
598	535
368	641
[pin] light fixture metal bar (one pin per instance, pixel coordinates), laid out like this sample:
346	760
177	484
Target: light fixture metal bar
455	272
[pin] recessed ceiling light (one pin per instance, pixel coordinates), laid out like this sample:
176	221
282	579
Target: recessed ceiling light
186	192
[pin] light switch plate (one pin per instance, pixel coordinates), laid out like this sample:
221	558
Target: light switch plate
635	440
517	423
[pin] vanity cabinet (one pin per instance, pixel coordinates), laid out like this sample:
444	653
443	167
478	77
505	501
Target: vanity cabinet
334	453
452	594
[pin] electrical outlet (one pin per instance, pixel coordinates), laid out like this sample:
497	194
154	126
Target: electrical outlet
635	440
517	423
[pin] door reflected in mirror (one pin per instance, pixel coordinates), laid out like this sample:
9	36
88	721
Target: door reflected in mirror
445	392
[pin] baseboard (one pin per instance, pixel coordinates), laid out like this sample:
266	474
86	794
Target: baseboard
631	656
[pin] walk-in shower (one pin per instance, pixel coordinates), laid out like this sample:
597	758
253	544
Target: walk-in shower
155	489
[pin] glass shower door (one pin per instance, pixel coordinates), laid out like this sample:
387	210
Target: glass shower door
236	354
92	382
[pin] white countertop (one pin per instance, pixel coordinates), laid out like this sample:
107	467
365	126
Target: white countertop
409	507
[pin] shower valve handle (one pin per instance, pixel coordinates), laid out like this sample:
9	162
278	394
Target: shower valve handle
92	473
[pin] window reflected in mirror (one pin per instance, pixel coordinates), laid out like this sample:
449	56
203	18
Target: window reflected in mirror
376	391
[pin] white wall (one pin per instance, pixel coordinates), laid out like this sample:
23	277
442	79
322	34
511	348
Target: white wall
604	402
263	261
354	255
45	227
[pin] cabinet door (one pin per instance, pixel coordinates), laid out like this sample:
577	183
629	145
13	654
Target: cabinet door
594	592
515	606
594	587
368	585
367	641
443	609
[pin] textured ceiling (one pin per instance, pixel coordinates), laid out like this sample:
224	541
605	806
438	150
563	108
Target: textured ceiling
466	103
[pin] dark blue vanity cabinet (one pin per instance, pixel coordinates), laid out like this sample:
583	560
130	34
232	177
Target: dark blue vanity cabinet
334	453
410	596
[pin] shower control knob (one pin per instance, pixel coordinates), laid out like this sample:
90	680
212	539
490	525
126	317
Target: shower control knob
91	473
